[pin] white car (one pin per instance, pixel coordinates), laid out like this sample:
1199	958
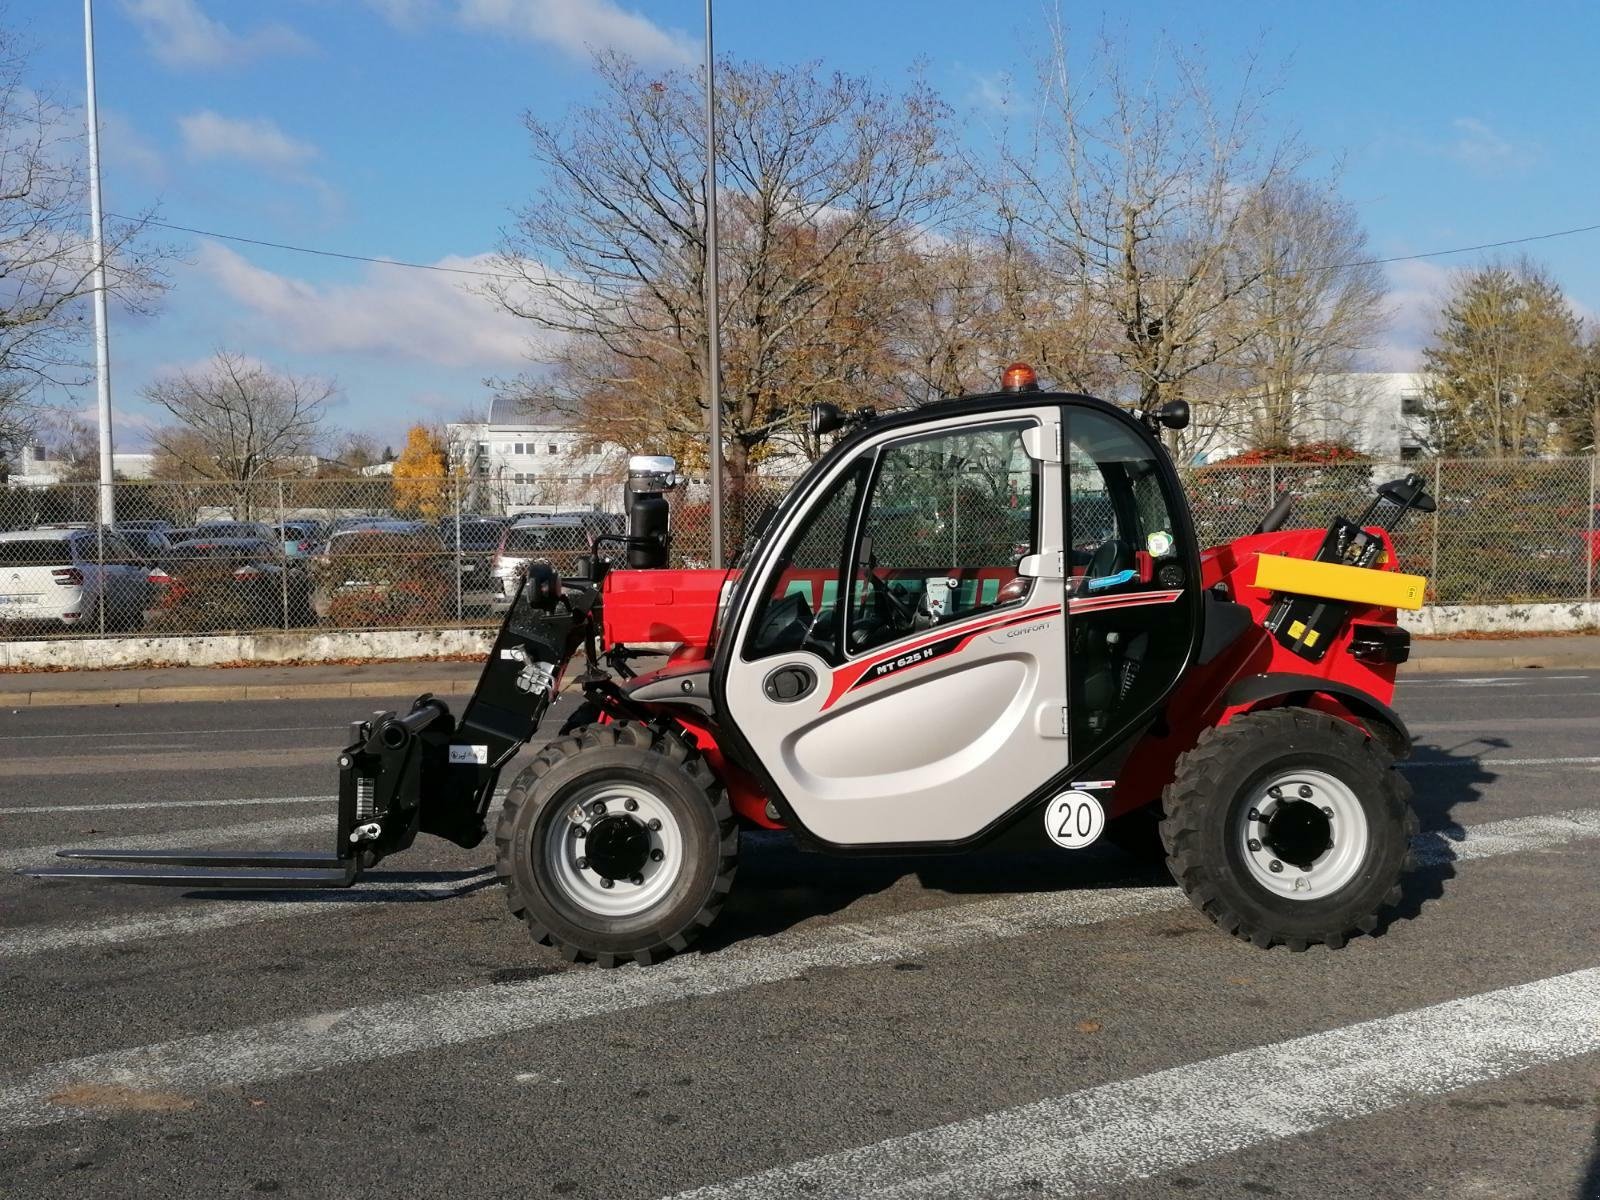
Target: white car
62	576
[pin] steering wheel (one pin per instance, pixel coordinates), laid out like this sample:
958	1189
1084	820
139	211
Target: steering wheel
890	609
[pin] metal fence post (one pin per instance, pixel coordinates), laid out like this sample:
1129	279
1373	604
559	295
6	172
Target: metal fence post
1439	508
1272	483
455	505
100	553
283	575
1589	542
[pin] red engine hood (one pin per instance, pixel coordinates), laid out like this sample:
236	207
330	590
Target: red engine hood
643	607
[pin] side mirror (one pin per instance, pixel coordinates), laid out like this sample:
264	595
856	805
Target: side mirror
1174	414
1407	493
825	418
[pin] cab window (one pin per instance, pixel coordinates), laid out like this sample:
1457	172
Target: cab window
949	517
801	605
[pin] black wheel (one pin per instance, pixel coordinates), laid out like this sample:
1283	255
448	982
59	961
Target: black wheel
617	845
1289	827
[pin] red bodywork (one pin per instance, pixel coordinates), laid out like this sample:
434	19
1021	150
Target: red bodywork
680	607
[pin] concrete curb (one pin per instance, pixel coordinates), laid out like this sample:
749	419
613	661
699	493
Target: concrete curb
356	689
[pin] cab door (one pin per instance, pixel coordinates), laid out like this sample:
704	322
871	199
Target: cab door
901	671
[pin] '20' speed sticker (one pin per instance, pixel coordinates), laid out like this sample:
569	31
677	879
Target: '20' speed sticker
1074	820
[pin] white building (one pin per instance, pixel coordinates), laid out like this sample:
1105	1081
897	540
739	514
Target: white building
1383	414
531	459
36	469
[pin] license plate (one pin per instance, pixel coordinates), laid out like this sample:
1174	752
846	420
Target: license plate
18	601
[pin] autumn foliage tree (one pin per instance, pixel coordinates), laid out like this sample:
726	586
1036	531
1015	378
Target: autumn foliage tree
421	474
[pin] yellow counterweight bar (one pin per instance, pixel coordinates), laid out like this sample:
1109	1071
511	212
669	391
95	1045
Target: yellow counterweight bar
1334	581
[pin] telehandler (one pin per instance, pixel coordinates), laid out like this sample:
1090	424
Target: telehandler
979	615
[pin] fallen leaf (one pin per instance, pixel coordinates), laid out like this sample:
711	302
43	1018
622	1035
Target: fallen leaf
116	1097
1088	1027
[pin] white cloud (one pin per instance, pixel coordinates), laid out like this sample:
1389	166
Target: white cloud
179	34
253	140
1416	291
1478	146
392	312
579	27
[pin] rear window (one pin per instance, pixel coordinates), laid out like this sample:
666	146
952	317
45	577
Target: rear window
380	542
44	552
200	549
546	537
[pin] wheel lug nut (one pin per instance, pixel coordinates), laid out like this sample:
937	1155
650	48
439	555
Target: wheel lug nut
1255	845
1305	792
636	880
656	856
1275	866
631	805
598	808
1255	814
655	824
583	864
578	831
1275	792
604	882
1327	811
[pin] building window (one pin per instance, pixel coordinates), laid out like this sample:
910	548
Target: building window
483	447
552	449
483	467
517	449
1411	404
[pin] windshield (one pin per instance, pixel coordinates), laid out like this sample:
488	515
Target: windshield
545	537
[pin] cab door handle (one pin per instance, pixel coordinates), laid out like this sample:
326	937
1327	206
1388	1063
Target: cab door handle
790	683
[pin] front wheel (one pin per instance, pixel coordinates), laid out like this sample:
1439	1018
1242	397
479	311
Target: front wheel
1289	827
617	844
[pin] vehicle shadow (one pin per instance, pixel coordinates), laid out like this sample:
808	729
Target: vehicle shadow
781	886
1589	1185
374	887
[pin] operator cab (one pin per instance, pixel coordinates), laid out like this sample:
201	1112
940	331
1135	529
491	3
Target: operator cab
960	610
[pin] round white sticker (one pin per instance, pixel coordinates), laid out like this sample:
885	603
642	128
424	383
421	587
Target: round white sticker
1074	820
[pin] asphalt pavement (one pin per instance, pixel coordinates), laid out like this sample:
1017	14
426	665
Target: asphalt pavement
1011	1024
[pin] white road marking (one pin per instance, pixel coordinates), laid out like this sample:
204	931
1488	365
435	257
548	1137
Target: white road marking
179	839
417	1023
209	917
1461	763
1137	1128
164	733
142	805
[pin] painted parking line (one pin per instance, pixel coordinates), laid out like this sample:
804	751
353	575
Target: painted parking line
146	805
1137	1128
210	917
1456	764
205	835
418	1023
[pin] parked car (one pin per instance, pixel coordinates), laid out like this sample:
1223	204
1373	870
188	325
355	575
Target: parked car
256	531
180	533
72	578
301	538
384	576
230	583
142	526
151	545
479	538
558	540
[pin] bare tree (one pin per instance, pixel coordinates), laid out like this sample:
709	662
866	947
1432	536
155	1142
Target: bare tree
1505	358
47	260
236	420
1135	193
1314	305
824	180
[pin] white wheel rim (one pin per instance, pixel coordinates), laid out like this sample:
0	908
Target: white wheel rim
1330	870
585	886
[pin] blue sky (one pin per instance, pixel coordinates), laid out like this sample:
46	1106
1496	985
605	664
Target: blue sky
391	128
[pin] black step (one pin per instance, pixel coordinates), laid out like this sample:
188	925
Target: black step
210	858
260	879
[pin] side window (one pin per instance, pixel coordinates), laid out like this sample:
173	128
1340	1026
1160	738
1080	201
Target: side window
801	608
1121	527
949	518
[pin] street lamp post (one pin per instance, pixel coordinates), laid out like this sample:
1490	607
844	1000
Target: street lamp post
102	344
713	319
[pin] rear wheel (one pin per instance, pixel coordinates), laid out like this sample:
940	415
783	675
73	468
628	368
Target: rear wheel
616	845
1289	827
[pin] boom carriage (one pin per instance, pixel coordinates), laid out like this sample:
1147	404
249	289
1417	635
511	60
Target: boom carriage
981	615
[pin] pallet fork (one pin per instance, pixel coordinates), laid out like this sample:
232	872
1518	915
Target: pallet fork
425	771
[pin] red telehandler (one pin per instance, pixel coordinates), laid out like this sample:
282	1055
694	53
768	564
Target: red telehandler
981	614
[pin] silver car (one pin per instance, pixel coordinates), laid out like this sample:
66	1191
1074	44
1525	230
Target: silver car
63	577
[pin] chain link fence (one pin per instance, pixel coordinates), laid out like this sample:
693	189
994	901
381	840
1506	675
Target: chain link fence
381	553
